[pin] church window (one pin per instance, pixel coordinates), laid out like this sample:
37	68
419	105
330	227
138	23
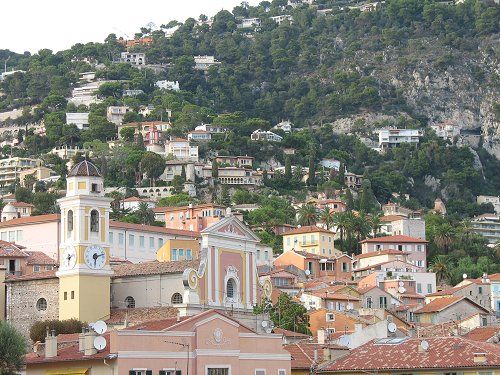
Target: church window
41	304
72	294
130	302
70	220
94	221
176	298
230	288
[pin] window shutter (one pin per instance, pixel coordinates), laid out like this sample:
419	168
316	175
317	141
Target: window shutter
163	372
178	372
131	372
149	372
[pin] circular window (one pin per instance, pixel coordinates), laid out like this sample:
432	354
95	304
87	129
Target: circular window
130	302
41	304
176	298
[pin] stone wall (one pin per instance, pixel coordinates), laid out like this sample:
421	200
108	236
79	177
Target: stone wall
22	298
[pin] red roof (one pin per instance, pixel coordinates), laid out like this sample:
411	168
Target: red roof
442	303
30	220
33	276
39	258
395	239
153	268
287	333
303	353
152	228
388	218
404	354
21	204
184	208
483	333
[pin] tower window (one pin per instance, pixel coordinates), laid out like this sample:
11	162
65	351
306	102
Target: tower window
41	304
230	288
176	298
94	221
70	220
95	188
130	302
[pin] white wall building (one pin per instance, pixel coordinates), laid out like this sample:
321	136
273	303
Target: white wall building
485	199
204	62
286	126
136	58
115	114
488	225
282	18
248	23
446	131
168	85
181	149
81	120
388	138
262	135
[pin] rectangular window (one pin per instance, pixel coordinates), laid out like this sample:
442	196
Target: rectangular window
141	241
288	241
3	236
72	294
260	372
189	256
313	238
429	288
345	267
174	254
217	371
382	302
36	268
181	253
330	239
266	255
131	239
419	288
110	235
170	372
281	372
160	242
65	296
151	242
480	289
120	238
20	235
12	236
258	254
419	247
304	241
330	317
369	303
323	238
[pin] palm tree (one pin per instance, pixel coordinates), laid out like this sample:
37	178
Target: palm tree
308	214
326	217
375	223
350	228
29	181
145	214
361	227
441	267
444	236
339	219
466	230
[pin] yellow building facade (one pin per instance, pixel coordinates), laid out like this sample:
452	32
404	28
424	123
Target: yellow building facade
311	239
178	250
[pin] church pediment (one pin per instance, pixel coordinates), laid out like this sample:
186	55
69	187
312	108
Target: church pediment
231	226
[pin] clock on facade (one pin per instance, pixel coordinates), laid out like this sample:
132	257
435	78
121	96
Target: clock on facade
69	257
95	257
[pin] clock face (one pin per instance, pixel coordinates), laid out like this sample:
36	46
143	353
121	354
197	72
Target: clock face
68	259
95	257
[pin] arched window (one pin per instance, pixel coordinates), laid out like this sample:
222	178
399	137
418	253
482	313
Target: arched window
130	302
176	298
231	288
41	304
94	221
70	220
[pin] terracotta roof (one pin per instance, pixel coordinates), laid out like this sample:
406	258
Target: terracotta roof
388	218
69	353
483	333
307	229
144	123
179	140
378	265
443	353
21	204
39	258
11	250
84	168
380	252
140	315
152	228
334	296
494	277
303	353
447	292
395	239
153	268
287	333
440	304
135	199
367	289
30	220
32	276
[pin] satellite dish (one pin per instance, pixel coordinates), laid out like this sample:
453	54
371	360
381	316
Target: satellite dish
269	330
401	283
99	343
401	289
424	345
496	340
100	327
264	323
391	327
349	306
345	341
464	275
308	272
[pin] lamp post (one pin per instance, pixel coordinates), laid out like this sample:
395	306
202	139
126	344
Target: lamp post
184	346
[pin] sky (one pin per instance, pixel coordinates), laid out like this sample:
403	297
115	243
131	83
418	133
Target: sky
30	25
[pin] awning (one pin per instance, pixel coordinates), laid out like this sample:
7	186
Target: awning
67	371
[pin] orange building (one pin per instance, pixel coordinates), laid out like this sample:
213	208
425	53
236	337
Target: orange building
192	217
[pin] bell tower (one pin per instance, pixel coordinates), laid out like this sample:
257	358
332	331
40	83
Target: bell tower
84	272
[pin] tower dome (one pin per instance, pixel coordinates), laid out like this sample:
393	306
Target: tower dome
9	212
83	169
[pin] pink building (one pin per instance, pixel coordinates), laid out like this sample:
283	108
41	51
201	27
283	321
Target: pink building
415	247
192	217
209	343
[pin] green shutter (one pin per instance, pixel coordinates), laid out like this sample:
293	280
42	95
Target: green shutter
131	372
149	372
178	372
163	372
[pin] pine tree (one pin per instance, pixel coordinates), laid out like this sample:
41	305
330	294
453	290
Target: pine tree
215	169
311	180
225	197
140	141
183	173
349	200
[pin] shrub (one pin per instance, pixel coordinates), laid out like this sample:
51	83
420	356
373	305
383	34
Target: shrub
38	329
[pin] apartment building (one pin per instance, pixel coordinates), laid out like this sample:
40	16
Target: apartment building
191	217
11	168
389	138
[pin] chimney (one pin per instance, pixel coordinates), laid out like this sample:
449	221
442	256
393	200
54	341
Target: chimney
51	344
81	340
89	349
178	317
321	336
316	355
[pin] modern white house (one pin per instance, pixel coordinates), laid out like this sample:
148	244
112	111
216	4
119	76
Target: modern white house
81	120
282	18
263	135
135	58
388	138
446	130
286	126
181	149
199	136
204	62
168	85
247	23
115	114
